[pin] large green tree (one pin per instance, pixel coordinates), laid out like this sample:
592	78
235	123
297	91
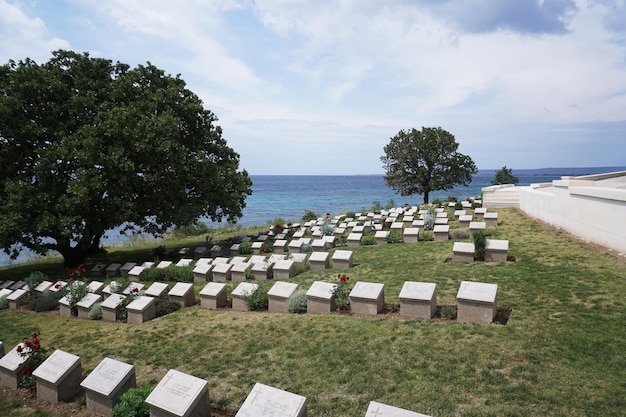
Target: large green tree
422	161
87	146
504	176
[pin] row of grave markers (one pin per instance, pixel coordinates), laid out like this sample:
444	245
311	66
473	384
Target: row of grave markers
60	378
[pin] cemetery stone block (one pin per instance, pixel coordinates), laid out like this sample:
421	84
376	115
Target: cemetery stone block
320	297
266	401
496	250
441	232
182	293
284	269
319	260
179	395
411	235
15	298
367	298
476	302
463	252
111	307
58	377
105	385
11	366
86	303
243	290
418	300
377	409
213	296
222	272
141	309
278	296
342	259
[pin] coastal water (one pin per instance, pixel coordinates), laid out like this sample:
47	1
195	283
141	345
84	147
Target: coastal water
288	196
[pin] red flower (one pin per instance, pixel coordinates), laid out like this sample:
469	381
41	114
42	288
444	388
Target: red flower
135	289
19	349
57	286
27	370
520	359
81	267
70	271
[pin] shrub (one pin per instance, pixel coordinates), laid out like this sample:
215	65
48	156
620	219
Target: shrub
447	312
45	302
327	228
341	294
170	273
195	229
132	403
34	354
33	279
368	240
309	215
74	292
479	244
95	312
427	235
257	300
458	206
297	303
245	248
456	234
301	267
429	221
267	247
350	214
394	237
166	307
4	303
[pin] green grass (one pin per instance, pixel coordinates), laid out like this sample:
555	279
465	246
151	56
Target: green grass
562	353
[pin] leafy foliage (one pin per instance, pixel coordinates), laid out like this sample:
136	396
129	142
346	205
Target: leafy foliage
504	176
257	300
165	307
34	279
309	215
480	240
341	294
34	354
368	240
245	248
170	273
46	302
297	303
395	237
95	312
418	162
4	303
87	145
132	403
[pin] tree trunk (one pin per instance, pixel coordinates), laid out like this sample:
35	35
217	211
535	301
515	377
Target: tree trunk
76	255
426	197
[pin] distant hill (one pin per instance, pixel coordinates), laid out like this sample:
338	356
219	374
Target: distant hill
554	171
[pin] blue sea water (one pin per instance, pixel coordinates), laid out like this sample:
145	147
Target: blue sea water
288	196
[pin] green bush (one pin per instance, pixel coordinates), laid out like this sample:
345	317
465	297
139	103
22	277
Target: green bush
267	246
165	307
34	279
45	302
350	214
4	303
245	248
480	240
301	267
368	240
171	273
427	235
95	312
133	403
394	237
458	206
258	300
457	234
297	302
309	215
195	229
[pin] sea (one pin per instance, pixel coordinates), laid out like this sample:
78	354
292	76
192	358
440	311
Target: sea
287	197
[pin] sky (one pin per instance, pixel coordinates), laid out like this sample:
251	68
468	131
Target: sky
320	86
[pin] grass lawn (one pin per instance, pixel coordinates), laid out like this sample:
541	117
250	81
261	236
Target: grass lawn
562	353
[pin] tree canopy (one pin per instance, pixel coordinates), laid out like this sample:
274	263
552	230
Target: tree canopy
504	176
87	146
421	161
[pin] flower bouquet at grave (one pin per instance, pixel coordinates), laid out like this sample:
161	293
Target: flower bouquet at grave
35	354
76	287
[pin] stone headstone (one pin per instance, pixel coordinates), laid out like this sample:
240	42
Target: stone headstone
354	239
441	232
111	307
319	260
95	287
106	383
184	262
57	286
496	250
163	264
141	309
377	409
113	270
320	297
15	298
259	270
491	219
43	286
133	287
202	272
58	377
418	300
284	269
64	307
411	234
5	292
11	366
367	298
98	270
256	259
157	290
243	289
476	302
266	401
239	270
342	259
126	268
222	272
19	285
479	212
213	296
180	395
463	252
278	296
182	293
86	303
464	221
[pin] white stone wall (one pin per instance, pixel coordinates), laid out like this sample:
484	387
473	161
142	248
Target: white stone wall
591	207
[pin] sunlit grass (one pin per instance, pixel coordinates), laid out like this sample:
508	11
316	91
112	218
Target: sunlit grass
561	353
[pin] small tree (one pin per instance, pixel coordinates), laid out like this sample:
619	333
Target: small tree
421	161
504	176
